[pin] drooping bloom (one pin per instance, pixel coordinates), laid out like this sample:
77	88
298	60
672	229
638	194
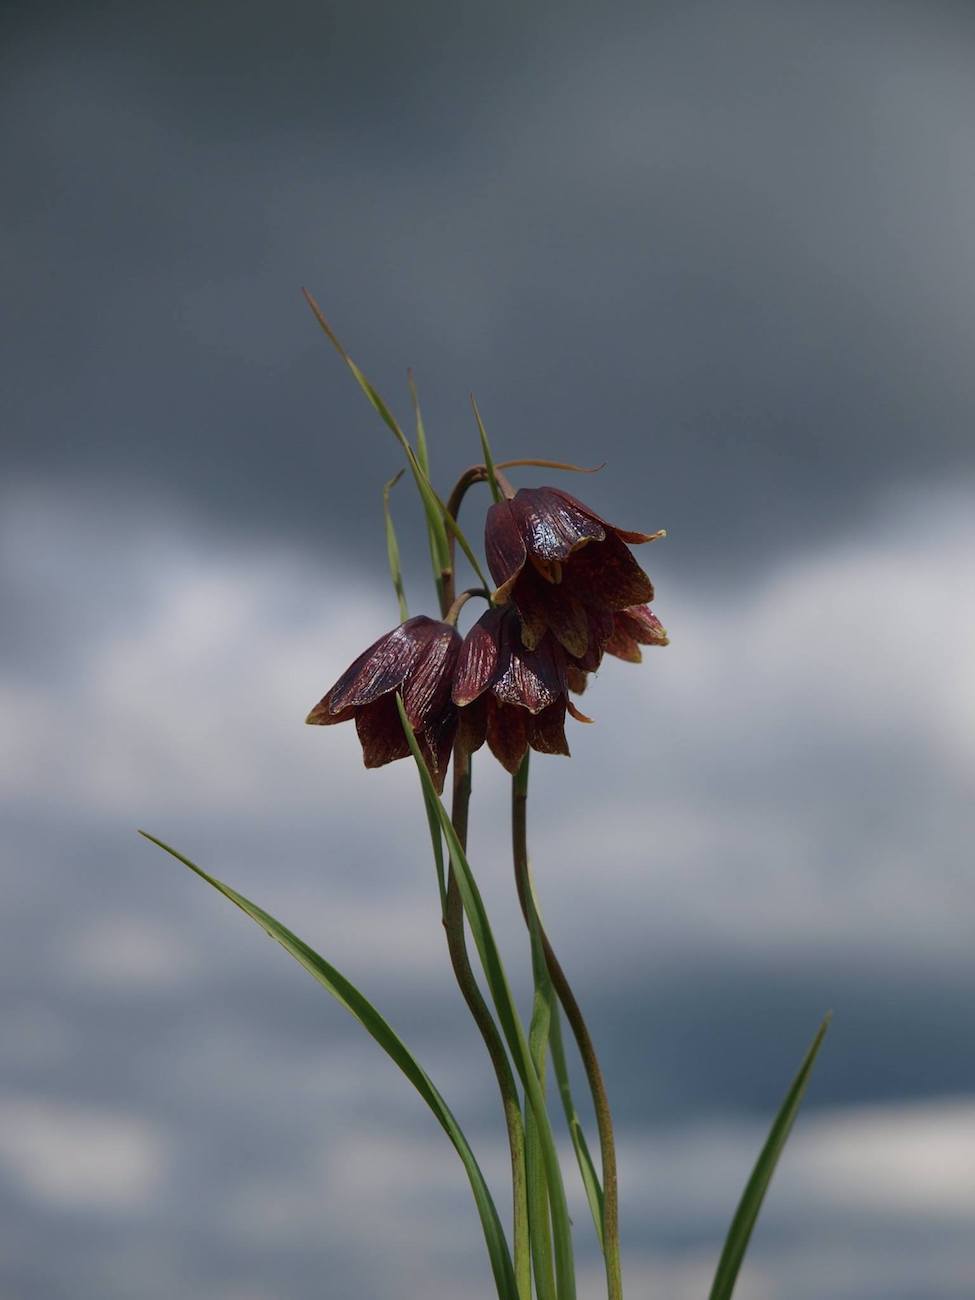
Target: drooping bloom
633	628
417	659
565	568
512	695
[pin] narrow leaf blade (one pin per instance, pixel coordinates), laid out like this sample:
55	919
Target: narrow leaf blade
746	1214
378	1028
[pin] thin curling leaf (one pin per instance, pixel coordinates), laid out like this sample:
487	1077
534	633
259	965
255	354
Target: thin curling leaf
489	465
510	1020
392	550
551	464
423	457
430	502
422	453
746	1214
379	1029
436	842
587	1167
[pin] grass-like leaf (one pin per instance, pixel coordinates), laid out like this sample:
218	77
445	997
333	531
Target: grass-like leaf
510	1021
432	507
392	549
746	1214
362	1009
587	1167
492	477
423	457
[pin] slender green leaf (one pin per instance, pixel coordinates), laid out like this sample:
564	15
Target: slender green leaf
436	840
432	506
742	1224
423	457
422	453
367	1015
509	1019
587	1168
543	1007
392	549
492	477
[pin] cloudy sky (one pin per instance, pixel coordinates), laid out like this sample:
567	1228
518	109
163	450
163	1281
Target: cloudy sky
728	249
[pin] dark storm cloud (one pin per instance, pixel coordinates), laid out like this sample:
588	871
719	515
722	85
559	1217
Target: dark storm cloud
729	250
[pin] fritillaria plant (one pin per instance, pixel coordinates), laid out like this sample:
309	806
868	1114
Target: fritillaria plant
565	591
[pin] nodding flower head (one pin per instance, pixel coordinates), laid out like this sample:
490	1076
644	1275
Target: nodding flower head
512	695
416	659
566	569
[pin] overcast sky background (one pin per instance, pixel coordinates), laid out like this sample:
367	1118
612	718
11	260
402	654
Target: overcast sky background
729	249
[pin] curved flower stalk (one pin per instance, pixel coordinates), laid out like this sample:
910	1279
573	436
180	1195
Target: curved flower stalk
568	592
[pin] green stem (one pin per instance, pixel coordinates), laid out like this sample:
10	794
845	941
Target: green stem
459	960
538	1202
594	1074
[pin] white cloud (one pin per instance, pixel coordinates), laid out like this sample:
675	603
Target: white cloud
71	1158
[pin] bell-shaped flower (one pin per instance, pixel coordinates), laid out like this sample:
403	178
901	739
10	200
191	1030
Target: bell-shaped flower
511	695
565	568
417	659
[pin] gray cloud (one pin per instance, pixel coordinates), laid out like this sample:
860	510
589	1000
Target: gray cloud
727	251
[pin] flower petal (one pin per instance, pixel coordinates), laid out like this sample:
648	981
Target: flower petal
322	715
623	645
643	625
553	524
436	740
577	713
385	665
428	684
479	658
533	679
504	548
507	734
633	538
605	573
543	606
576	678
472	730
381	732
547	730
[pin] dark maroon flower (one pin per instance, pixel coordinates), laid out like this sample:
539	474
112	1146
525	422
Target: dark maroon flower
510	695
633	628
565	568
416	659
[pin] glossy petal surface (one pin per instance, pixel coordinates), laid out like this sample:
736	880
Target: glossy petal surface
381	732
552	524
385	665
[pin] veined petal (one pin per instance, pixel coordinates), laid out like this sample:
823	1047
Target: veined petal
504	548
576	678
607	574
633	538
547	730
533	679
384	666
507	734
623	645
472	729
553	524
428	684
381	732
643	625
480	657
543	607
436	740
322	715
